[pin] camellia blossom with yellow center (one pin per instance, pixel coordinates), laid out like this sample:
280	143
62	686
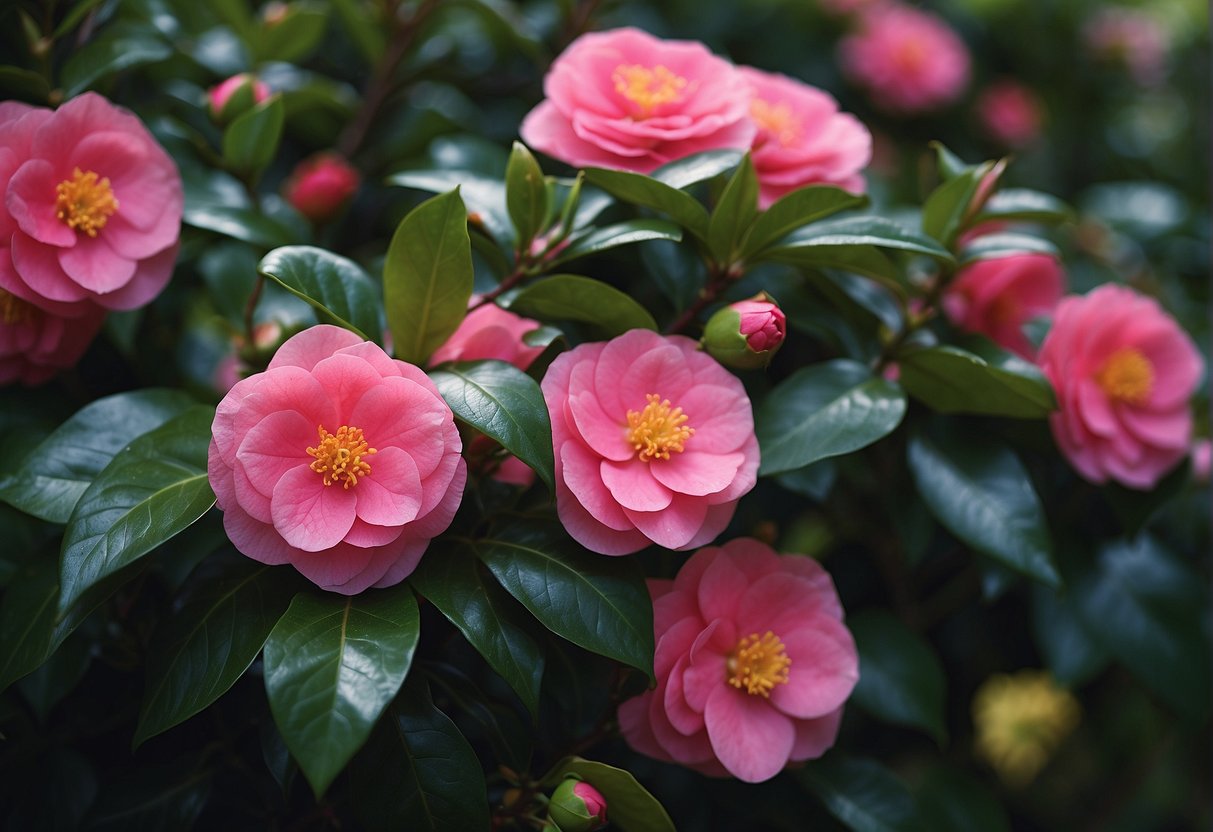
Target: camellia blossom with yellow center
654	443
1021	719
337	460
753	664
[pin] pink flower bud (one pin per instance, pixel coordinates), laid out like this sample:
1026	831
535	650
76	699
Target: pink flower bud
576	806
236	95
746	334
320	185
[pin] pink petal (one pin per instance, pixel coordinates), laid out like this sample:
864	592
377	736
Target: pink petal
311	346
275	445
684	720
583	478
632	485
398	413
824	669
151	276
344	568
634	725
673	527
696	474
751	739
365	535
1169	429
310	515
405	562
778	602
590	533
391	494
674	643
32	201
96	266
720	589
606	436
258	541
37	265
816	736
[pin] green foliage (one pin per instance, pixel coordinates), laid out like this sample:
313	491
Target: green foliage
340	290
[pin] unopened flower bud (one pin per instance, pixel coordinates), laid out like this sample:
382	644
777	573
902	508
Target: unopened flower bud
235	96
576	806
746	334
320	186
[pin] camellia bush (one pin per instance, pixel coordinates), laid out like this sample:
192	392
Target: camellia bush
554	415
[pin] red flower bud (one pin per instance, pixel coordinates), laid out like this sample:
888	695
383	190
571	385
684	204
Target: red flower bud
320	185
236	95
576	806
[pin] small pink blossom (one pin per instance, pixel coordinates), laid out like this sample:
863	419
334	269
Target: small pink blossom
36	344
753	664
802	138
746	334
654	443
1124	372
93	207
219	96
1010	113
996	297
1202	460
337	460
909	60
1132	37
320	185
627	100
489	331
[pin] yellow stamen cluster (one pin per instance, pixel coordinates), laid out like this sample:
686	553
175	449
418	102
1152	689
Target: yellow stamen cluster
1020	722
339	456
13	310
85	202
658	429
776	119
648	87
1128	376
759	664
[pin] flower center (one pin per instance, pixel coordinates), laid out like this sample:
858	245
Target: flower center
776	120
648	87
759	664
339	456
1127	376
658	429
85	202
13	310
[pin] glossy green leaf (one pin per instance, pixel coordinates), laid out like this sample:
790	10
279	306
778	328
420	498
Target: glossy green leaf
151	490
1073	655
696	168
900	677
638	189
1024	204
858	259
50	480
339	289
121	46
977	488
952	800
862	794
570	297
1007	244
488	619
526	195
813	481
505	404
55	678
860	231
295	36
630	807
364	30
482	195
822	411
239	223
251	140
427	277
332	664
950	165
597	603
620	234
733	214
795	210
946	207
953	380
30	626
210	640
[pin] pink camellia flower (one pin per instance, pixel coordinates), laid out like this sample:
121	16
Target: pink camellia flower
1010	113
1123	371
1132	37
240	92
746	334
654	443
996	297
320	185
489	331
625	99
94	204
753	664
337	460
802	138
910	61
36	344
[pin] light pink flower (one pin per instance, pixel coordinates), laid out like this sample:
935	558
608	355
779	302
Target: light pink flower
1132	37
1010	113
753	664
320	185
219	95
625	99
1123	371
36	344
654	443
96	205
909	60
802	138
337	460
489	331
996	297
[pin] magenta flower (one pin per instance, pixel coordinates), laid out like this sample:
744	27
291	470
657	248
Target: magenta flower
802	138
654	443
489	331
753	664
1123	371
625	99
337	460
1010	113
909	61
96	204
36	344
996	297
320	185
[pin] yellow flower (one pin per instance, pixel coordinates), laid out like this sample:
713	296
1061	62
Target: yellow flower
1020	721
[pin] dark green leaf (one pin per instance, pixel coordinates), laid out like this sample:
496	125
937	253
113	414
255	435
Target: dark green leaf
1072	655
860	259
46	686
121	46
251	141
596	602
337	287
953	380
812	481
619	234
166	798
30	627
860	231
23	84
476	605
504	403
952	800
427	277
696	168
950	165
799	208
1024	204
900	677
240	224
570	297
332	665
53	476
639	189
526	195
1005	244
822	411
210	640
977	488
862	794
629	805
946	207
151	490
481	195
294	37
364	30
733	214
